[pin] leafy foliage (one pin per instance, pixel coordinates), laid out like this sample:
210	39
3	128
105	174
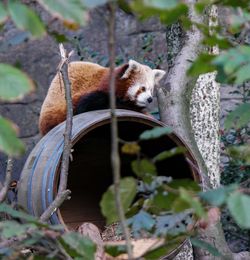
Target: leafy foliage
115	250
155	133
3	13
239	117
14	83
238	205
168	154
162	200
35	234
128	192
13	229
241	152
143	168
78	246
131	148
172	243
202	244
202	65
168	11
218	196
72	12
25	18
9	143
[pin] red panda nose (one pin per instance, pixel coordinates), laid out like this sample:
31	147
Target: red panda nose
150	100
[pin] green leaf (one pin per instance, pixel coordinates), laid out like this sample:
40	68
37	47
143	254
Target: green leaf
14	84
162	201
94	3
13	229
143	167
203	64
242	74
131	148
81	246
28	218
230	60
3	13
188	184
9	143
217	197
162	251
238	117
127	191
124	5
178	205
201	6
233	3
73	11
26	19
115	250
194	203
213	40
204	245
161	4
241	152
168	154
168	11
234	64
156	132
238	205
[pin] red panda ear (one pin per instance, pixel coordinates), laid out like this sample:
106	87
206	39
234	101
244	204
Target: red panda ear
158	75
131	67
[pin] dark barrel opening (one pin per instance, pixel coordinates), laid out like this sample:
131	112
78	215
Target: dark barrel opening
90	171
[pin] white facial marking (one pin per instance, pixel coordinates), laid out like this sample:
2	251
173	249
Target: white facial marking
141	91
132	91
142	99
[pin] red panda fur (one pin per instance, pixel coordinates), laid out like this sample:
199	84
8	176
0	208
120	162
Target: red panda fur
85	78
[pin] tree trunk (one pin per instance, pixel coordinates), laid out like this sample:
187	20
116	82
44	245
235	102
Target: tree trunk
192	110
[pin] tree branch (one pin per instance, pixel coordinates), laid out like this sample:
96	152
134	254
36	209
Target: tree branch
63	194
115	159
8	176
64	78
58	201
174	95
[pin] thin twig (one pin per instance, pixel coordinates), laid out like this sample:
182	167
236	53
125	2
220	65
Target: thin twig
115	159
63	72
8	176
60	198
63	194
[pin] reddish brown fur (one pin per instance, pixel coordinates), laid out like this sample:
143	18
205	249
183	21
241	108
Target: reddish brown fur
121	85
85	78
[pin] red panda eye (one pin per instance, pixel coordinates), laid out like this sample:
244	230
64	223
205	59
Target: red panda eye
143	89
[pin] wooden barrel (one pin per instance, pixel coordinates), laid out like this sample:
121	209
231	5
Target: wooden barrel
90	171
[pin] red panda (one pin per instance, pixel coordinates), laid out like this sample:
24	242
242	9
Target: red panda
134	83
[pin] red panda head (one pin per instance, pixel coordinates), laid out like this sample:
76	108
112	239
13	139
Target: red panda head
135	82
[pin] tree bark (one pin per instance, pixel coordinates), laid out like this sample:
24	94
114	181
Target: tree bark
192	110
